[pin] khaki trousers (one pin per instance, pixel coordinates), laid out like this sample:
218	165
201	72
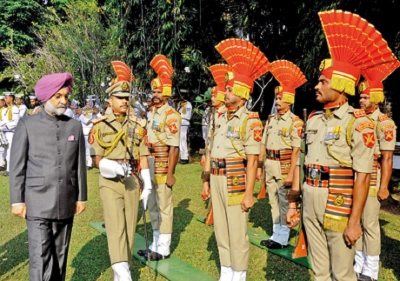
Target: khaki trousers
330	258
370	242
120	206
161	208
277	200
230	227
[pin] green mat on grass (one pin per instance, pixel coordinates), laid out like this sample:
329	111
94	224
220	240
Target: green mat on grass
173	268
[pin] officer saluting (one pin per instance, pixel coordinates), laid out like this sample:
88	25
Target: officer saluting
281	145
117	148
163	131
234	154
368	248
340	147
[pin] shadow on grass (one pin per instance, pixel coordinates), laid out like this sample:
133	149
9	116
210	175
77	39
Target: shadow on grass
92	260
390	254
14	252
182	218
213	248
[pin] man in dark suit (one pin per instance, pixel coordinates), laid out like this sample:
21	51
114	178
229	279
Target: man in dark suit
48	177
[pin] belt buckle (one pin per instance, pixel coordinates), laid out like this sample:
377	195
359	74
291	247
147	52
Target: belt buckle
221	164
315	174
214	165
271	154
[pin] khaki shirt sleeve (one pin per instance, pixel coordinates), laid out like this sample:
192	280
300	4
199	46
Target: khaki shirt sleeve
264	136
143	149
252	142
363	147
296	133
173	129
387	135
95	148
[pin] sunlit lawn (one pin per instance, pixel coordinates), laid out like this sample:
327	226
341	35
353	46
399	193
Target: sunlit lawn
192	241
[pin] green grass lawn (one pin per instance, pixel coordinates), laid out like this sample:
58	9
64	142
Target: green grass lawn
192	241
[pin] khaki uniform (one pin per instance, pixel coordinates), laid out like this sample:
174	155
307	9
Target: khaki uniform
163	131
120	197
370	244
281	134
216	113
232	140
336	146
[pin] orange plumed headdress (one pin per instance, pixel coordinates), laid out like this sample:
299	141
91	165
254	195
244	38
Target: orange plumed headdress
289	77
247	63
121	86
354	44
373	86
164	70
218	72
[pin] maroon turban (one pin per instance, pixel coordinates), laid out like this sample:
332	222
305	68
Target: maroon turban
50	84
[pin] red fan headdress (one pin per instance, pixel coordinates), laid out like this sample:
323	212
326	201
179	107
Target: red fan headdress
121	86
373	86
354	44
218	72
247	63
164	70
289	77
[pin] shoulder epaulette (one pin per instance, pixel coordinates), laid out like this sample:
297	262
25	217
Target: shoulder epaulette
383	117
172	111
97	120
253	115
313	113
359	113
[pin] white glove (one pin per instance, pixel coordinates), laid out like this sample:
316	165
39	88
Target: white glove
109	169
146	186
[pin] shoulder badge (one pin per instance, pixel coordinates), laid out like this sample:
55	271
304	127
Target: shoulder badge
369	139
97	120
172	111
389	135
383	117
313	113
253	114
295	118
359	113
365	125
91	136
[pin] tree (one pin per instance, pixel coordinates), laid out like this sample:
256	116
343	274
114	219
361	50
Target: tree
79	44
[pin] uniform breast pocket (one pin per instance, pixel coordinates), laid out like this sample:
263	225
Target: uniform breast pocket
310	138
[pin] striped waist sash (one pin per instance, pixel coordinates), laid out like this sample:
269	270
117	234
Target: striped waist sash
339	180
235	171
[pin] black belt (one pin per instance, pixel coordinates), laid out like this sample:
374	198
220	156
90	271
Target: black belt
221	163
317	174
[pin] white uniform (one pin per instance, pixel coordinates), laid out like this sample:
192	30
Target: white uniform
86	119
2	159
22	110
10	118
185	109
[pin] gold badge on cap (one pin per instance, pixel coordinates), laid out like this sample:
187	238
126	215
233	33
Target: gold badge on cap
125	86
229	76
278	89
362	87
339	200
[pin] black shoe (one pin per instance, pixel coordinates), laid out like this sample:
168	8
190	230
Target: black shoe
5	174
271	244
3	168
154	256
143	253
184	161
103	225
363	277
